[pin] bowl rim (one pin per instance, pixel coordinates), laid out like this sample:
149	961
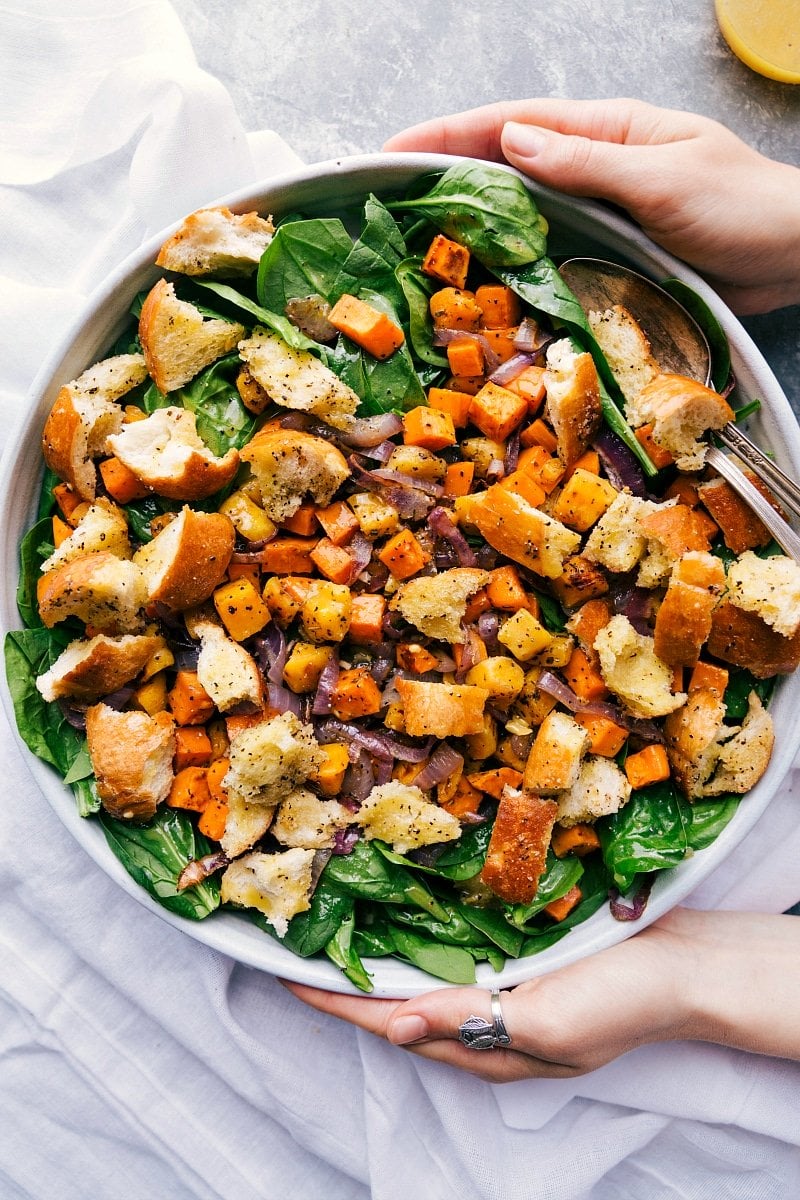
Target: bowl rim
233	934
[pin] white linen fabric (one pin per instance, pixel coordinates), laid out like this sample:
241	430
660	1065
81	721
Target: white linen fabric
135	1062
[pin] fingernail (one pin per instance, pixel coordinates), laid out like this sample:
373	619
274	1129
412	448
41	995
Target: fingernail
407	1029
525	141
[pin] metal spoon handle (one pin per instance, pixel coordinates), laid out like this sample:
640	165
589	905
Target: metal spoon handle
784	535
785	489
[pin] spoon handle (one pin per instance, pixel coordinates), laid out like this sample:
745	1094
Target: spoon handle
785	489
784	535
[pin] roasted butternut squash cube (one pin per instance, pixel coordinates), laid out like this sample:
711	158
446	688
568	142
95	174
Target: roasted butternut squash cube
305	664
375	517
241	609
524	635
326	611
583	500
446	260
329	776
248	518
502	678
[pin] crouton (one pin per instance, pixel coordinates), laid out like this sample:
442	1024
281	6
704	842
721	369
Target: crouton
744	758
178	341
99	589
228	673
517	853
83	416
769	587
215	240
168	455
296	379
131	755
523	533
278	885
741	528
187	559
245	823
400	814
441	709
86	670
289	466
681	410
303	819
573	399
683	621
617	541
633	672
627	352
102	527
436	605
600	789
269	759
744	639
555	758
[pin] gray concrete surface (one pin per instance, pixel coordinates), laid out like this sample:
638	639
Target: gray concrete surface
339	76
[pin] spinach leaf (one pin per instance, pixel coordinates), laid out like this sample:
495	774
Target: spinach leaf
310	931
304	258
340	950
453	963
47	501
222	419
366	874
42	726
455	931
465	857
141	512
648	834
156	853
417	290
374	257
542	939
382	385
715	335
494	925
709	818
487	209
86	796
279	324
560	874
741	683
551	613
35	547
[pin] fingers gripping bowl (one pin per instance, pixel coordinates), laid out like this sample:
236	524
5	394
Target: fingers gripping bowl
324	191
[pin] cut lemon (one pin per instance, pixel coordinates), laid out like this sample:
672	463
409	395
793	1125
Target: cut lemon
764	34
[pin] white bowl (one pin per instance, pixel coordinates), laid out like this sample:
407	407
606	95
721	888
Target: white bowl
576	225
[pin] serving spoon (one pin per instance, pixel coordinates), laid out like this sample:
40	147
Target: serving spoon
680	347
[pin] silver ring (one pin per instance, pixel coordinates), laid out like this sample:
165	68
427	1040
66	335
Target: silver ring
477	1034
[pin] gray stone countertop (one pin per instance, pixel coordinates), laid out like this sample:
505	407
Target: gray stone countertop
339	77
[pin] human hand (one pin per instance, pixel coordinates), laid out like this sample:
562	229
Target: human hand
693	186
723	977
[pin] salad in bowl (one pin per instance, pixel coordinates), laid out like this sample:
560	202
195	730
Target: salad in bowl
380	596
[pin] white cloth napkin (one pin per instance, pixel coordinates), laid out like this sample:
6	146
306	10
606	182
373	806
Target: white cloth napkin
133	1061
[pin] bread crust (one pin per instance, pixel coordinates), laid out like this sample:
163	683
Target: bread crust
100	589
87	670
514	527
441	709
165	452
217	240
176	340
518	846
188	559
573	400
131	754
745	640
290	465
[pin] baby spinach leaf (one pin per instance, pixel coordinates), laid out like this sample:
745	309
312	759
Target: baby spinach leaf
309	931
741	683
304	258
455	931
35	547
536	942
452	963
222	419
86	796
366	874
487	209
141	512
47	500
279	324
340	950
417	290
648	834
374	257
42	726
715	335
156	853
560	874
494	925
465	857
709	818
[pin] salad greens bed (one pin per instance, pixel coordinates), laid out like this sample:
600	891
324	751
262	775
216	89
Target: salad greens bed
373	902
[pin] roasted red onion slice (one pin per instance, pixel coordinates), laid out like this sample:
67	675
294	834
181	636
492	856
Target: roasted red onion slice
281	699
621	467
310	315
361	550
367	432
271	652
327	682
511	459
550	683
412	502
201	868
631	912
511	368
382	745
344	840
442	525
441	765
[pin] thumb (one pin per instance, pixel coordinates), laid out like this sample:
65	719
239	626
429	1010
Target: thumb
575	164
439	1014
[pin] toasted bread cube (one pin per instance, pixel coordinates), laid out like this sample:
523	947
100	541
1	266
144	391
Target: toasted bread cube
600	789
555	758
517	853
441	709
